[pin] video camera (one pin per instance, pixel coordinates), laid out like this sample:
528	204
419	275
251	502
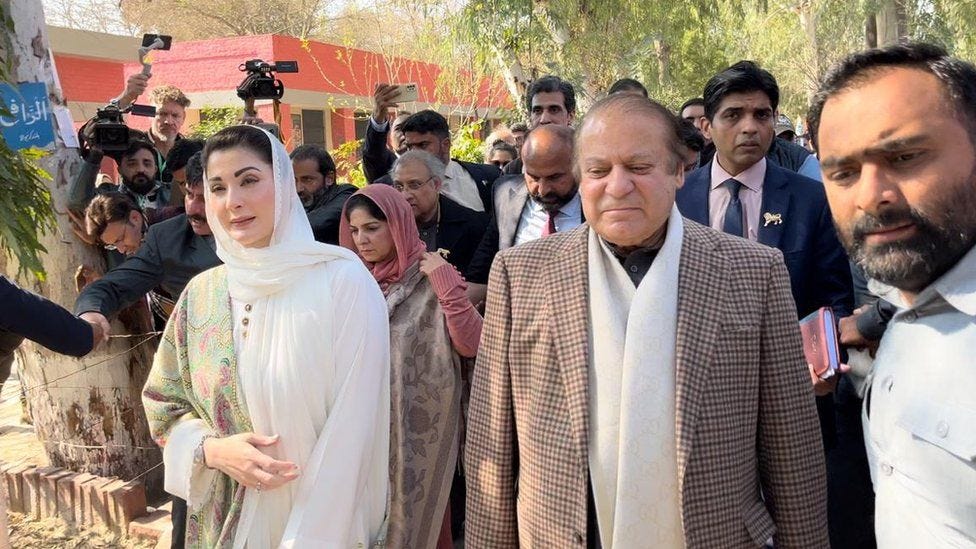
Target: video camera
260	82
107	130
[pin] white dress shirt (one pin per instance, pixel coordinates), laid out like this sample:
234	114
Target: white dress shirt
750	195
534	219
461	188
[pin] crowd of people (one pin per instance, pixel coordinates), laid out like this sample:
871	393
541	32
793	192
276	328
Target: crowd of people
591	340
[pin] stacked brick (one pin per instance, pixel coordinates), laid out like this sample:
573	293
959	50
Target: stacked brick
81	499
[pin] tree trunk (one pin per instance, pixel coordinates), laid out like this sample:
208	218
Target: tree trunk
809	19
871	31
88	412
662	51
892	22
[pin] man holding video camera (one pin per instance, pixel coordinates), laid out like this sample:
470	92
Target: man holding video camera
170	103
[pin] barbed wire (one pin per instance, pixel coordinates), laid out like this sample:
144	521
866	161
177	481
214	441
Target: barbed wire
97	446
150	337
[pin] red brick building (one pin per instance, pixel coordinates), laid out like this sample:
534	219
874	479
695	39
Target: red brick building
326	102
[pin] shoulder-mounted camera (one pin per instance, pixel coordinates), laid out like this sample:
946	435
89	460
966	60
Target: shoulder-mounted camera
260	82
107	130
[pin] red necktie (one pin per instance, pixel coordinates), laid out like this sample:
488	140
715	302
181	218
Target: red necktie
550	227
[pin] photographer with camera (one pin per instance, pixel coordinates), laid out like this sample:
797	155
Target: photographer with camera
170	103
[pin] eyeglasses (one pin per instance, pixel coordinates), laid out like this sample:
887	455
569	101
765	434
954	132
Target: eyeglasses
412	185
113	246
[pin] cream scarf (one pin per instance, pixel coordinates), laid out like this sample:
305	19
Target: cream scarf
632	449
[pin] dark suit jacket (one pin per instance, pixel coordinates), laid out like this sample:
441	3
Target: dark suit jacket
510	195
377	157
326	211
820	274
750	463
169	257
484	176
43	321
460	230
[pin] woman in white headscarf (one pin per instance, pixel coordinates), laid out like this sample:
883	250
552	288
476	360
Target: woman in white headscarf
269	392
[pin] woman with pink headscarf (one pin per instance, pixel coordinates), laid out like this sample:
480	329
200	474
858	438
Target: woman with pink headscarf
433	329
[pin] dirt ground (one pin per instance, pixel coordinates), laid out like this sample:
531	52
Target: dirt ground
19	443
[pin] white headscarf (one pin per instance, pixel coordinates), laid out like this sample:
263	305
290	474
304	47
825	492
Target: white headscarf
313	369
258	272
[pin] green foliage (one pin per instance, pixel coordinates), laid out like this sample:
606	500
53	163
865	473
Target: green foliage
466	145
214	119
349	166
674	47
25	201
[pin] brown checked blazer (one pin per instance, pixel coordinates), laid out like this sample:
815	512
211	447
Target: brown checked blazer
750	460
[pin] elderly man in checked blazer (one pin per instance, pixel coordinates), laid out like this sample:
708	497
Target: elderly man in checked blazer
641	379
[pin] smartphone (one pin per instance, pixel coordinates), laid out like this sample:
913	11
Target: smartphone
408	92
149	39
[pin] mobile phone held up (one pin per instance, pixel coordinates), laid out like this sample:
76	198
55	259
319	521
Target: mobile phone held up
408	92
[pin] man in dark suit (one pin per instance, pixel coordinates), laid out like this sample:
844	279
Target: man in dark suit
322	197
742	193
377	157
542	201
466	183
28	315
443	223
173	252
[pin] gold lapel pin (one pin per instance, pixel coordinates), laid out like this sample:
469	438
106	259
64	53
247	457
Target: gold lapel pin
772	219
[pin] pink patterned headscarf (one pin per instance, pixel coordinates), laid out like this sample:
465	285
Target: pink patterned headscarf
406	238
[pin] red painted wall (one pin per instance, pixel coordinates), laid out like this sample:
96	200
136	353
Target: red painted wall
93	80
213	65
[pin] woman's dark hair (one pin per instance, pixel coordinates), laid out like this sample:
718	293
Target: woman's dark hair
239	136
743	77
357	201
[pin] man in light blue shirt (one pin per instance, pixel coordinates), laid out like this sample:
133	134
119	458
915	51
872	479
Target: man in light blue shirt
896	132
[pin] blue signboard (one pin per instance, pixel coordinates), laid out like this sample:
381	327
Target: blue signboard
29	121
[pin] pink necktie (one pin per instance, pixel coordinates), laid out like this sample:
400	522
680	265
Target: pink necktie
550	227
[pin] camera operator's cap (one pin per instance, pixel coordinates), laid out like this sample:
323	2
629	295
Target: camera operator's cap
783	124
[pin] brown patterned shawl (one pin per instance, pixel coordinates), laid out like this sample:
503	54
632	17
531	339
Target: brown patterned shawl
425	392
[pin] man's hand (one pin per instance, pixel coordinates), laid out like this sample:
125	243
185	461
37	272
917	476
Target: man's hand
134	87
241	458
384	99
823	387
850	336
251	119
100	326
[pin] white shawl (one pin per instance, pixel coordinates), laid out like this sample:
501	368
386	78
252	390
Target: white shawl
632	448
314	369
